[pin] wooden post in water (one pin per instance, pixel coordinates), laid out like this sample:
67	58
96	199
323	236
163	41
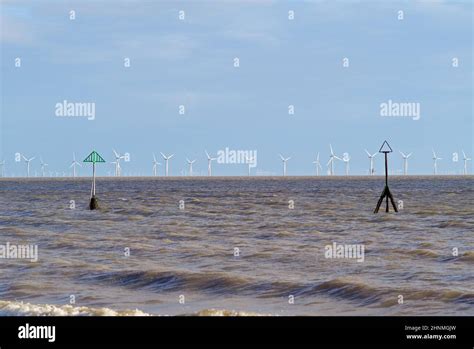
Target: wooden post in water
386	194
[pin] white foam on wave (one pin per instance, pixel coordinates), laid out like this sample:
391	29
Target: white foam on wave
28	309
224	312
15	308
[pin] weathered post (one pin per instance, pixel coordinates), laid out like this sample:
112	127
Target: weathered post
386	194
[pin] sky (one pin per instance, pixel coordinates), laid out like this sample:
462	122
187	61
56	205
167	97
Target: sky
190	62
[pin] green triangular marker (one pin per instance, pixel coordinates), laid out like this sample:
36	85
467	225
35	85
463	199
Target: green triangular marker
94	157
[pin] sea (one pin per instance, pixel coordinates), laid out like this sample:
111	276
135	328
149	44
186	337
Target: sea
231	246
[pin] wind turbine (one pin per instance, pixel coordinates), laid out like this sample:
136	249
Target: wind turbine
27	164
2	165
331	161
209	161
155	165
249	163
74	164
190	163
167	158
465	158
346	160
435	162
371	157
318	165
284	163
118	157
43	165
405	162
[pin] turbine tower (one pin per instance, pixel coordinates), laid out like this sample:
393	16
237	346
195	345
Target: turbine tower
74	164
435	162
27	164
155	165
465	158
166	158
371	158
43	166
318	165
118	157
331	161
190	163
284	160
405	162
209	161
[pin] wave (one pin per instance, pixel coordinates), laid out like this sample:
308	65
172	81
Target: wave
224	312
454	224
418	253
27	309
225	285
15	308
444	295
421	252
344	289
213	283
467	256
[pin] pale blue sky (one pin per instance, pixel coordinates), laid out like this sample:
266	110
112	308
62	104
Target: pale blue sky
282	62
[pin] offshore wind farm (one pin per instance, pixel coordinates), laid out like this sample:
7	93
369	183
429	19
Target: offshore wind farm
458	166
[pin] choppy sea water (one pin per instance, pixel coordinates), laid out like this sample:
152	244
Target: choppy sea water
191	252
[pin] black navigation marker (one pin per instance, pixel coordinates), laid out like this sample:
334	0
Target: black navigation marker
385	149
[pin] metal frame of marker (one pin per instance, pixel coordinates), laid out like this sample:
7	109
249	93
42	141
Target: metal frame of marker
386	194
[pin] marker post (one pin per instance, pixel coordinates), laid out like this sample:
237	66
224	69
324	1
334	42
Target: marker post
386	194
93	157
